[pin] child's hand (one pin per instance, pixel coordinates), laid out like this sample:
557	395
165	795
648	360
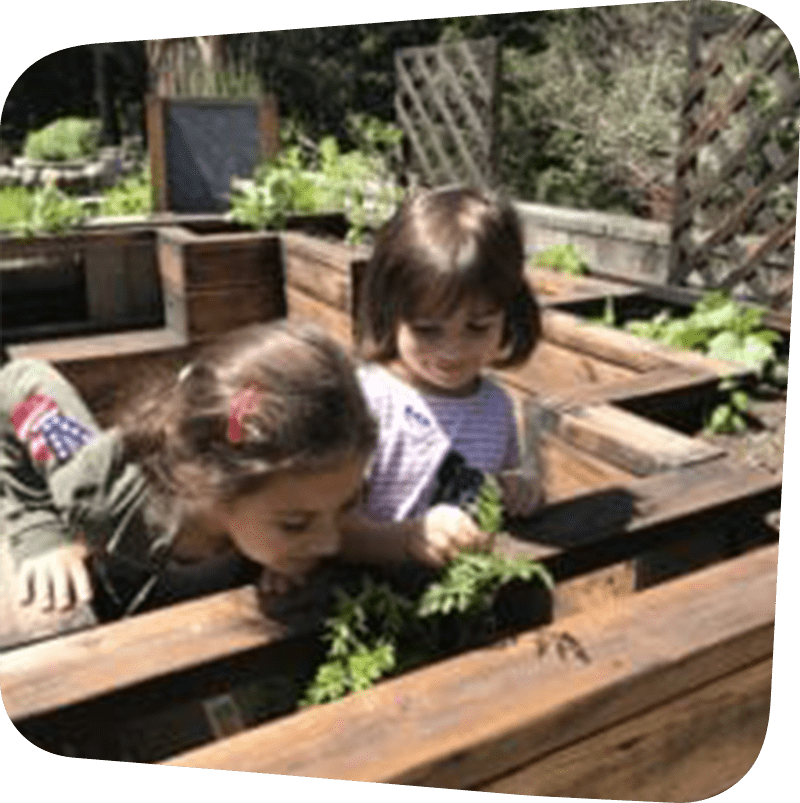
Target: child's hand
522	493
56	580
443	532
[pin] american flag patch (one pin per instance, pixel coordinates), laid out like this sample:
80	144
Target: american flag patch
48	433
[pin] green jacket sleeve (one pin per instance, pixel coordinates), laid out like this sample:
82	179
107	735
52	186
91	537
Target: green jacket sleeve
43	422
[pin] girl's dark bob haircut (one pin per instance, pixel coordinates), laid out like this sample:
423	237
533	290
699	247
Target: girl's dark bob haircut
442	247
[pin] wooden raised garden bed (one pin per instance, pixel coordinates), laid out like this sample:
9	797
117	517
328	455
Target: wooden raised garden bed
685	657
602	693
199	276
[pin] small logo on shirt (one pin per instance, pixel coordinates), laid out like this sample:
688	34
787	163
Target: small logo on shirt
413	415
48	433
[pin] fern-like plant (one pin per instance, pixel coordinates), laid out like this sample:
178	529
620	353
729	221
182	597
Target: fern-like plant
378	632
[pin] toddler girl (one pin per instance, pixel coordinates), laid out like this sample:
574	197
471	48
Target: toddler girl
444	298
250	455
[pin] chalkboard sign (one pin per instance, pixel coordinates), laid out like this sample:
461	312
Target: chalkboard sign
197	145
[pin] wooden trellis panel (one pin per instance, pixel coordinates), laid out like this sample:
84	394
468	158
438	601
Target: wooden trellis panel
445	103
736	170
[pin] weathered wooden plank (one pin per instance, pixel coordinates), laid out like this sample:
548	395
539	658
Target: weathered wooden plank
555	368
110	346
656	383
155	108
629	441
214	312
690	748
620	518
303	307
197	261
442	726
552	287
80	666
321	268
42	677
268	126
623	348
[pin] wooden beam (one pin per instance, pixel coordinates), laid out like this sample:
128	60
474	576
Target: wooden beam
629	441
155	107
691	748
44	676
446	726
623	348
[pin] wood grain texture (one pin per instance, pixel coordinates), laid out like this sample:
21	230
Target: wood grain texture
68	670
630	441
442	726
625	349
691	748
44	676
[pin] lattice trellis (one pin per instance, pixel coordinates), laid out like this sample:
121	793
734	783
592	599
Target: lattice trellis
446	103
736	170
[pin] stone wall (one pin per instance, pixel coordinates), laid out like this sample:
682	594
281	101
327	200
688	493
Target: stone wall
611	244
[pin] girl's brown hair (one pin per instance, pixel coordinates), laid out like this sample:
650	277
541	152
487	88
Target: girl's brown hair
309	414
441	247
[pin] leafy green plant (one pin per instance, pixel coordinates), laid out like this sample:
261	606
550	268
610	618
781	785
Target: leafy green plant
65	138
563	258
717	326
50	212
325	180
131	196
16	204
728	417
377	631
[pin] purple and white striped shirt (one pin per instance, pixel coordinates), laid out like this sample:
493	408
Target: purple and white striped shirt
417	430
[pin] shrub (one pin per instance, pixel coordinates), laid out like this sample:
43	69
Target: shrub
66	138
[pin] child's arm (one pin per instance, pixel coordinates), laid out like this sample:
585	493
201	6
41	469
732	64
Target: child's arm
433	539
43	422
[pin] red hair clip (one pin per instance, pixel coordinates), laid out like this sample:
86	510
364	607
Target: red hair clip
243	403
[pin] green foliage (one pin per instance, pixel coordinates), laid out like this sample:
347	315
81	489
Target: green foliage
237	83
563	258
377	631
16	205
357	183
470	582
717	326
362	639
66	138
720	327
47	210
728	417
131	196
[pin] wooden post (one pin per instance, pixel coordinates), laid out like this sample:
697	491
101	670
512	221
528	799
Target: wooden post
157	146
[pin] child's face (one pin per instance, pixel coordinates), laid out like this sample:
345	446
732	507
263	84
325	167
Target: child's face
292	523
447	355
